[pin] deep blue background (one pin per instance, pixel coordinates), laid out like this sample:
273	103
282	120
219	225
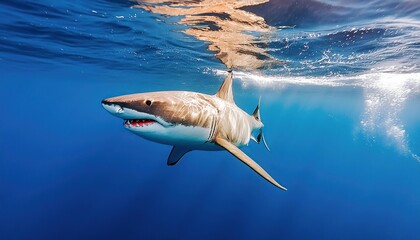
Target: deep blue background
68	169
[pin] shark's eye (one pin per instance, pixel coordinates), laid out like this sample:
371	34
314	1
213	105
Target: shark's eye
148	102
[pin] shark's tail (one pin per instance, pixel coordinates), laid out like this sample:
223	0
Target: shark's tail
257	117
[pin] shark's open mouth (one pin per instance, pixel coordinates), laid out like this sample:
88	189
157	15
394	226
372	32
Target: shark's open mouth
138	122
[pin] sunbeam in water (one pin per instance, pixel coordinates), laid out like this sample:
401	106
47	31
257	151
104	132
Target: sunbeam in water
385	97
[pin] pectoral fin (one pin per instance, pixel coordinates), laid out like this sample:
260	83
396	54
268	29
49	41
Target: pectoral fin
235	151
176	154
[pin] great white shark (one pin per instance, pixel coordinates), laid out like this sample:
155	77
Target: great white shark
192	121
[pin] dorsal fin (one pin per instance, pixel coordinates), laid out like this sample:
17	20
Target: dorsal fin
225	91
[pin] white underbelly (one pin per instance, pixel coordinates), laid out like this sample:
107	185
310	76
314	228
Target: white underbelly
180	135
177	135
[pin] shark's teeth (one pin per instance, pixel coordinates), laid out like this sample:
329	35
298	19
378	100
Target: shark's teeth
138	122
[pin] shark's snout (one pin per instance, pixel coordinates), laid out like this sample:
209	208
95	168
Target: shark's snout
112	108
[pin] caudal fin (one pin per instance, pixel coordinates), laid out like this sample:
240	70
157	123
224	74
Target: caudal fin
257	116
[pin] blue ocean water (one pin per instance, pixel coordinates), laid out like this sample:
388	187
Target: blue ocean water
341	118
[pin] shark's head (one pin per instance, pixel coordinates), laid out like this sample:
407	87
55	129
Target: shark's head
141	112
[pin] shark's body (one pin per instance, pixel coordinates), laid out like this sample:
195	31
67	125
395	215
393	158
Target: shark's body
191	121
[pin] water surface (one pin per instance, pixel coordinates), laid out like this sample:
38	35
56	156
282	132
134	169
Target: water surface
340	87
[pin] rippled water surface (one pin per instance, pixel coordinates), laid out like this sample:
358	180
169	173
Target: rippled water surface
340	88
